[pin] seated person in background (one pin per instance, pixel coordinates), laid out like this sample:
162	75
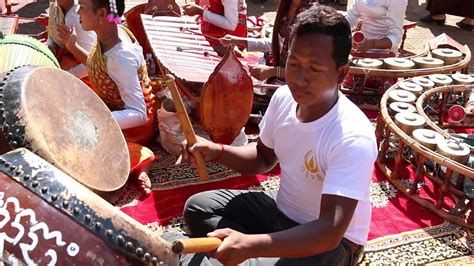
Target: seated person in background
219	18
63	17
326	149
278	44
118	72
382	24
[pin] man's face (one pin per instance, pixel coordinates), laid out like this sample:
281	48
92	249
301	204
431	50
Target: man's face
311	72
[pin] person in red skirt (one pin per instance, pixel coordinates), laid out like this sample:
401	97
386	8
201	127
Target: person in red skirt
219	18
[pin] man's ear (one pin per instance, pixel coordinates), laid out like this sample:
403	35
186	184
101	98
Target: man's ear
342	71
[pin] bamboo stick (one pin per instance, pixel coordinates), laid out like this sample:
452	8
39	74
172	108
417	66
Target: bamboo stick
186	125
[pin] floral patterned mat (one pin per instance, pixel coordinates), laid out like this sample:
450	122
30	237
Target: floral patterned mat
444	243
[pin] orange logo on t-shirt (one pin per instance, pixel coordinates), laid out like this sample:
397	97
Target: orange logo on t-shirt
311	166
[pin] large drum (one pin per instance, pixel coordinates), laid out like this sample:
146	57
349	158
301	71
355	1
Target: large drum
55	115
48	218
20	50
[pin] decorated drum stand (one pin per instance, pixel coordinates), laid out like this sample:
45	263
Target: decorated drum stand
48	218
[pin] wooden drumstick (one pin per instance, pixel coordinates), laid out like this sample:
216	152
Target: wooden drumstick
196	245
186	125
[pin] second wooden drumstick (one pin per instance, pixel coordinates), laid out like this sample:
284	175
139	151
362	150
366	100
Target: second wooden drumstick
186	125
196	245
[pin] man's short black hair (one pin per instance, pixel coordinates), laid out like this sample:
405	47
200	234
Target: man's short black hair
326	20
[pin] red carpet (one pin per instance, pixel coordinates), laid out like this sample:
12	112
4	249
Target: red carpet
392	212
163	205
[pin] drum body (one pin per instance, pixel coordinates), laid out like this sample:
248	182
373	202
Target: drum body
20	50
55	115
48	218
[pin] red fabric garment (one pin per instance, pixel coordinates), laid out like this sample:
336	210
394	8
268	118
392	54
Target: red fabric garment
215	6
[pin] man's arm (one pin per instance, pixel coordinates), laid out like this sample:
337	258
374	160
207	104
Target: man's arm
253	158
310	238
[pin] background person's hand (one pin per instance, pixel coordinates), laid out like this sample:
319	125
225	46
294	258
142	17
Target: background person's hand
70	39
262	72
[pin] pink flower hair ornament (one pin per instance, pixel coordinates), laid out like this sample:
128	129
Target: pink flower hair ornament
112	18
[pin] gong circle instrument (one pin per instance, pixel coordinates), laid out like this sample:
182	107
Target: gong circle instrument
427	62
48	218
449	56
441	79
398	63
432	60
422	142
367	79
408	122
401	96
454	150
399	107
411	87
369	63
462	79
20	50
424	82
427	137
55	115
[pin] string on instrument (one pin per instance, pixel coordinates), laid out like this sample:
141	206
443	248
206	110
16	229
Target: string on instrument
183	29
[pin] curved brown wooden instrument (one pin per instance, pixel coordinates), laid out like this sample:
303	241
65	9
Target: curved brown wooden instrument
48	218
196	245
225	100
186	126
55	115
134	24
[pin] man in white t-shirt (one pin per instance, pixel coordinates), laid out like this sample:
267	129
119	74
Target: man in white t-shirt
326	149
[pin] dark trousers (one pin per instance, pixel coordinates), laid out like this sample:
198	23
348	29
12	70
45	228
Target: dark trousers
251	212
462	8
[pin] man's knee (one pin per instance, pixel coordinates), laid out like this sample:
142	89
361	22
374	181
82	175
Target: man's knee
197	209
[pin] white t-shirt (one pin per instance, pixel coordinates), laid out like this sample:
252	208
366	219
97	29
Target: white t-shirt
123	61
333	155
381	18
